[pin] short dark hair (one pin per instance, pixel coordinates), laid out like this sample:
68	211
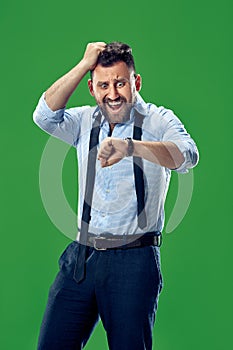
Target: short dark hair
116	52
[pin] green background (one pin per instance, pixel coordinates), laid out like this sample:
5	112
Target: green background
183	52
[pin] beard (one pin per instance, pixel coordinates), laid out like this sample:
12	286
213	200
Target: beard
116	111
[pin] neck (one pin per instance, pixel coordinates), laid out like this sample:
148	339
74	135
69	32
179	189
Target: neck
112	126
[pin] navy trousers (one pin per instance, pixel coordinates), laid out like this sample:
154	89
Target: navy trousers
121	287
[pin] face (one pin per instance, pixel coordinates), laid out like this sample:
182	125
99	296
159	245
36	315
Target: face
114	89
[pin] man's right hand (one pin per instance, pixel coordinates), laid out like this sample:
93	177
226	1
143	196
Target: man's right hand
91	54
59	93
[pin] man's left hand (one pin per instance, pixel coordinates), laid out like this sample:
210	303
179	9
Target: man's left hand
111	151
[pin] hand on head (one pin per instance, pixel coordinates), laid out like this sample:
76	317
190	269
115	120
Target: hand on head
92	52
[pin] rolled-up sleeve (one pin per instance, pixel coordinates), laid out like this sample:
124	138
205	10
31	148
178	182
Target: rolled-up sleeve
174	131
63	124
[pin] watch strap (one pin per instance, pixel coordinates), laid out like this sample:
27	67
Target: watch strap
130	146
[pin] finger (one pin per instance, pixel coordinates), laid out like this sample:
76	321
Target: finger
101	43
98	46
112	161
103	162
114	158
106	149
104	153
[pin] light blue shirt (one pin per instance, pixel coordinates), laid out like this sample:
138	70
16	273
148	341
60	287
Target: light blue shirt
114	205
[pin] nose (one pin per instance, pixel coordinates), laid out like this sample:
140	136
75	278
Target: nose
112	92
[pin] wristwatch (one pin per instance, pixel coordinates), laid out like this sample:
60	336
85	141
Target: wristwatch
130	147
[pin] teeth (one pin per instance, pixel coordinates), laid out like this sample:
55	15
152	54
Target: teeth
114	103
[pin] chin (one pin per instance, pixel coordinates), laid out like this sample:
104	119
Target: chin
116	118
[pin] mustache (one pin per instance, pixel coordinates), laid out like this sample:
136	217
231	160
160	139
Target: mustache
118	99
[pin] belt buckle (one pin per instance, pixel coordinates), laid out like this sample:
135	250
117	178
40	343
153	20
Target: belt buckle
96	239
159	240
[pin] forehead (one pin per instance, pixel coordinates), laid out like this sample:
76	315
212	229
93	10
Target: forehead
116	71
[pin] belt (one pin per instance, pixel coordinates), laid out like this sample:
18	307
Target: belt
125	241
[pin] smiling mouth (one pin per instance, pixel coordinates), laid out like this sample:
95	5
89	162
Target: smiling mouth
115	105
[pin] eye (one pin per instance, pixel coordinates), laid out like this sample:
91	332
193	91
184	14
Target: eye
104	86
120	84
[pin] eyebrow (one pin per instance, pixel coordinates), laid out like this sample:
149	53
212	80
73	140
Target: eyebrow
99	83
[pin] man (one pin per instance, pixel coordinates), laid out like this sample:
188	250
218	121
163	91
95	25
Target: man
126	149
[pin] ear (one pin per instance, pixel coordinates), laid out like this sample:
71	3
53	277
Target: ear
90	86
138	82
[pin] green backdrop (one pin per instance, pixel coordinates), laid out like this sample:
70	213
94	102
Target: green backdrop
184	54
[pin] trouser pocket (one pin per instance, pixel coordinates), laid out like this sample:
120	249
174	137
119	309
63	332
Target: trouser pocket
157	265
68	259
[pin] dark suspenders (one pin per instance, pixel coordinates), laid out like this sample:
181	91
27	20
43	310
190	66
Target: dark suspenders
90	181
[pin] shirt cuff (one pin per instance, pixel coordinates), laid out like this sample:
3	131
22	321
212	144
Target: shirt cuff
46	113
190	153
